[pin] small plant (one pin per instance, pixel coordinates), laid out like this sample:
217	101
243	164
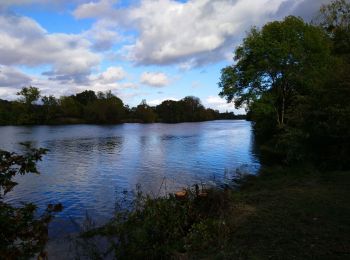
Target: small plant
161	227
22	234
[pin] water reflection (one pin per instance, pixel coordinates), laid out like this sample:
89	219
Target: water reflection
88	165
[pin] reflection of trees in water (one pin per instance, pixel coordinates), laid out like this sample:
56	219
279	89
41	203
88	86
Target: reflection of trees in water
110	144
81	145
144	141
254	146
87	166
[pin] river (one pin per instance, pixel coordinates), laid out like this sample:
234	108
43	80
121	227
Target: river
89	167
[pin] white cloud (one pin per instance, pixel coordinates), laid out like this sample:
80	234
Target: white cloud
221	104
48	3
158	101
112	74
188	34
107	80
195	32
12	77
154	79
103	8
103	35
7	93
191	33
24	42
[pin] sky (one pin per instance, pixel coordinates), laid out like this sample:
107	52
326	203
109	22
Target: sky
138	49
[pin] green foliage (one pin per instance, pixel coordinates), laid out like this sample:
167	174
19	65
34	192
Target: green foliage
334	18
281	214
86	97
101	108
170	111
22	234
50	109
70	107
29	95
328	119
13	164
282	59
163	227
188	109
106	108
145	113
293	79
28	114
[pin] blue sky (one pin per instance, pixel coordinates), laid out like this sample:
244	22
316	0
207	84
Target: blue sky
139	49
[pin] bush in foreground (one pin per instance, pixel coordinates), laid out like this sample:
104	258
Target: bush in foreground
22	234
282	214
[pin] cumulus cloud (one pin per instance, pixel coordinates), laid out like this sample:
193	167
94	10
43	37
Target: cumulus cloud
12	77
24	42
110	79
185	33
8	93
102	8
112	74
220	104
307	9
155	102
102	35
154	79
49	3
194	32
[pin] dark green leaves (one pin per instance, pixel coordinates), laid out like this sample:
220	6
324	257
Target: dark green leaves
22	234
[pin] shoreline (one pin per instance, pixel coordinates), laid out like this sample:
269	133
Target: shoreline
289	213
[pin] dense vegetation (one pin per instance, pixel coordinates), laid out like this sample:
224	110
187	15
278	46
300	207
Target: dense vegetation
294	213
293	78
100	108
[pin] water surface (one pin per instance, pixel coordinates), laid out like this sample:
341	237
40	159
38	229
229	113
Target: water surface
89	166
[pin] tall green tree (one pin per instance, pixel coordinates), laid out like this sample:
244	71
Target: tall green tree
71	107
275	64
328	118
106	109
145	113
85	97
334	18
276	73
29	114
29	95
50	108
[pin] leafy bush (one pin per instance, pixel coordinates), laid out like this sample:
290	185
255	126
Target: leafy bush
22	234
163	227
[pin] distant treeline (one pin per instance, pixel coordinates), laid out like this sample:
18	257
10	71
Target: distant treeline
100	108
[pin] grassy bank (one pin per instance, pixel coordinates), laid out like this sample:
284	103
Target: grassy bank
281	214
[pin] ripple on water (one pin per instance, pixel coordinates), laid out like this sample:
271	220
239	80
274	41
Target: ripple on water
89	166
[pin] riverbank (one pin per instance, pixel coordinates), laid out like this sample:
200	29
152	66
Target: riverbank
280	214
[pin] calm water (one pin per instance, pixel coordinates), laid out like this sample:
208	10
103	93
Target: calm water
88	167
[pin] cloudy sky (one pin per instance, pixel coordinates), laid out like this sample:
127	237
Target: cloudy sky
139	49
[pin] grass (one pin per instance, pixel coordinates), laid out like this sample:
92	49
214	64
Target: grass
296	215
280	214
